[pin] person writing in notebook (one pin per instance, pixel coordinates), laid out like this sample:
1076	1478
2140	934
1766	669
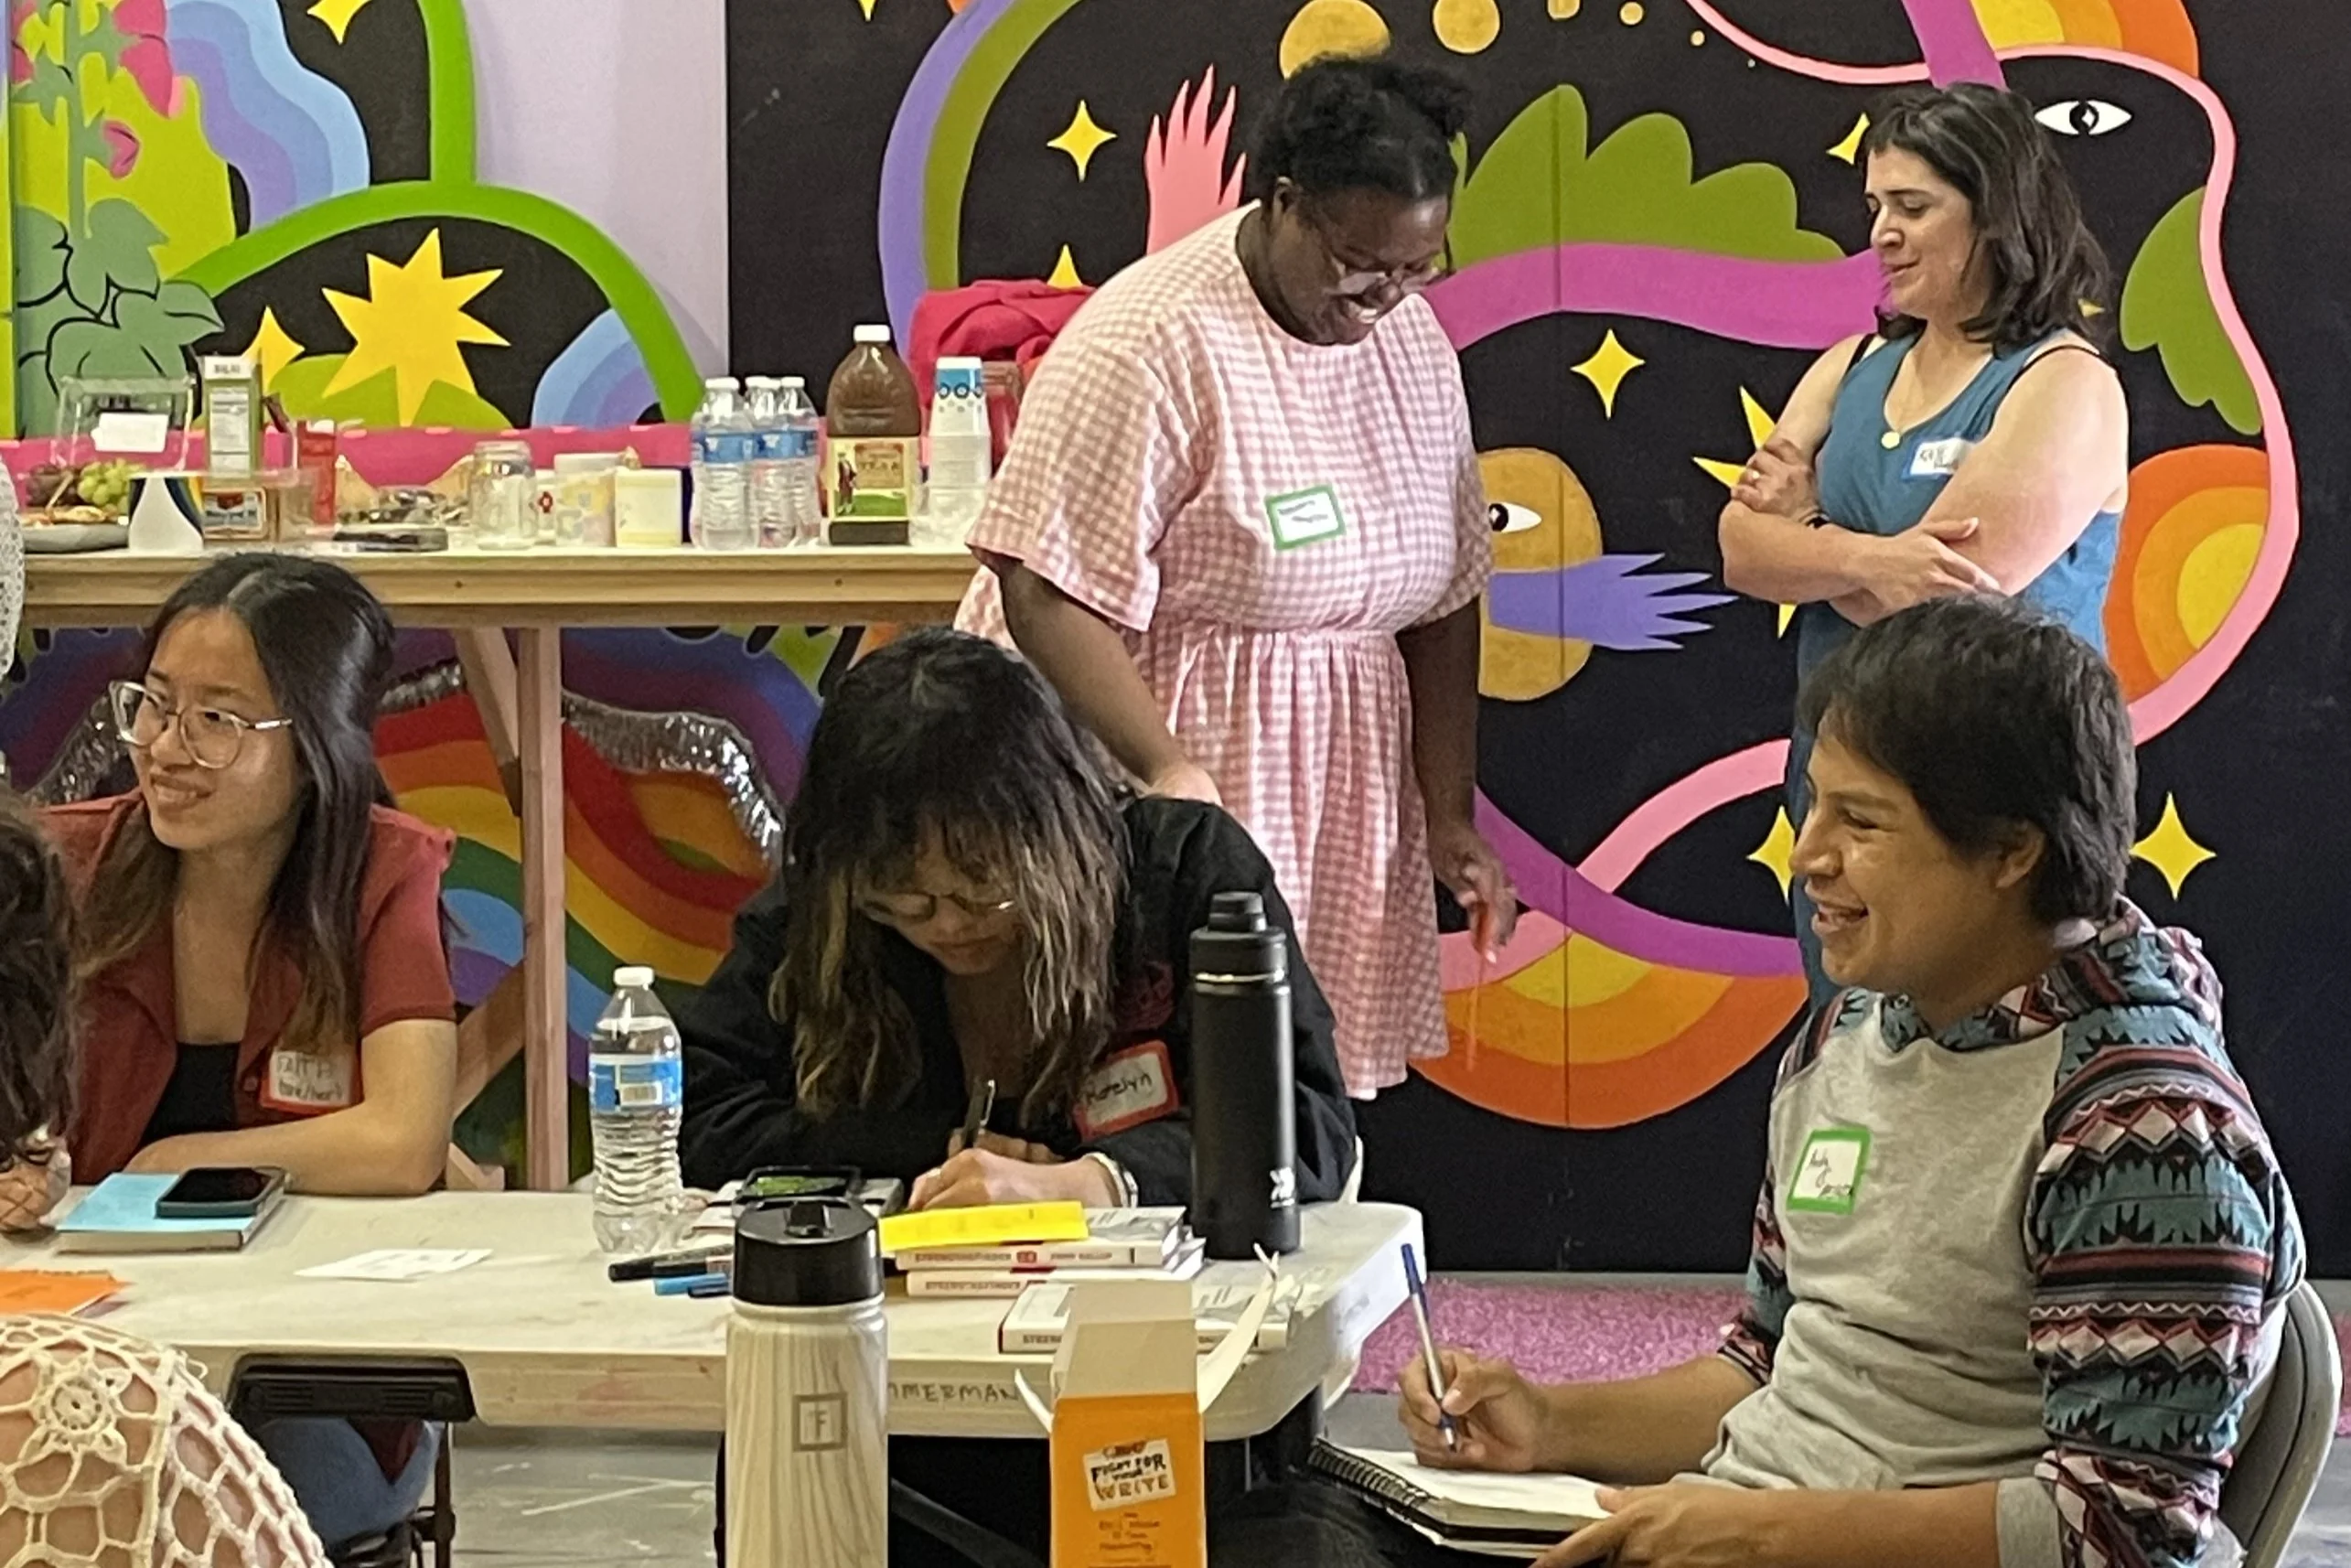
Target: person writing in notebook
1977	443
965	898
2009	1169
262	978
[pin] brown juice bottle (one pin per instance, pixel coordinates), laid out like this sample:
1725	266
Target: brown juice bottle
872	470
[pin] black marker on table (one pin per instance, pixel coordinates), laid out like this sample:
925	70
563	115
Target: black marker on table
660	1265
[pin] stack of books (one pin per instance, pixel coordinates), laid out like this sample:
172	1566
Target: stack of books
1038	1319
1120	1244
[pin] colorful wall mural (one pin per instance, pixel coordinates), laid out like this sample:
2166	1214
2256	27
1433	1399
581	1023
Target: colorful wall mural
1659	224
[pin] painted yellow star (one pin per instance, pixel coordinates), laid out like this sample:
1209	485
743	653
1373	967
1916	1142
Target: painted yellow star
1065	271
1849	149
1778	845
1760	425
337	14
868	4
1083	139
273	348
1606	369
412	323
2170	849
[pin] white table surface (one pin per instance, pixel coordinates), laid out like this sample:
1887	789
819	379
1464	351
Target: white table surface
546	1340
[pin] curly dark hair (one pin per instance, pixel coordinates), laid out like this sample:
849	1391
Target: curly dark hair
1362	125
1994	717
2045	267
37	1033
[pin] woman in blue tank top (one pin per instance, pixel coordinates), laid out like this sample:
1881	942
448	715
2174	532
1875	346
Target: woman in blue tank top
1977	443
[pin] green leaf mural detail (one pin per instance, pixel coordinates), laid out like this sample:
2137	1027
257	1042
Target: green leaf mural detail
1541	184
123	241
2167	306
41	253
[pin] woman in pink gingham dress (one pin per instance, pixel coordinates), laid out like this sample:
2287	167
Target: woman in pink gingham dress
1241	529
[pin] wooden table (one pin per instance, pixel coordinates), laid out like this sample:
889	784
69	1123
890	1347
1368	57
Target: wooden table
535	594
546	1340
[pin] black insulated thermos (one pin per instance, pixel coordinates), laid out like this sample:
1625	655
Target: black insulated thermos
1244	1116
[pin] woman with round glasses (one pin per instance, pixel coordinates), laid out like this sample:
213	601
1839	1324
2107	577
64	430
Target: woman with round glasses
965	899
1241	530
259	947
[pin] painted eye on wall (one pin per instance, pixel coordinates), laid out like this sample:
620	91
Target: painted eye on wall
2084	116
1509	519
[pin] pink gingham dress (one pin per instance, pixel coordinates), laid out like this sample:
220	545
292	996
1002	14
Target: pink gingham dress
1160	427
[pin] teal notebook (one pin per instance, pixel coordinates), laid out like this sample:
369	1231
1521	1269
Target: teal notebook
118	1215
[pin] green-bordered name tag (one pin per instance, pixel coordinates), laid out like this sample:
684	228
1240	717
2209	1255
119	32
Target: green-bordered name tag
1828	1173
1304	517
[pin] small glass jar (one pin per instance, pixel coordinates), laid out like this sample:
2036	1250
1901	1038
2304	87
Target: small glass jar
504	486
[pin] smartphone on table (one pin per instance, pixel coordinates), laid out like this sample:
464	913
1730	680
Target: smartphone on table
221	1192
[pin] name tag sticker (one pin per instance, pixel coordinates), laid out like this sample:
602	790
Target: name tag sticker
1940	460
305	1084
1128	1090
1304	517
1828	1173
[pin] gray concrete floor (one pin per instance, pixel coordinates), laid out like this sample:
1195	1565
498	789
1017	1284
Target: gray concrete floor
543	1500
533	1499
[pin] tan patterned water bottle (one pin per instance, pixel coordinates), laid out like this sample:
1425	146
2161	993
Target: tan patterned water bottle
808	1391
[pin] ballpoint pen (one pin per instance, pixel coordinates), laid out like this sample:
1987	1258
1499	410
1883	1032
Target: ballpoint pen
1418	1289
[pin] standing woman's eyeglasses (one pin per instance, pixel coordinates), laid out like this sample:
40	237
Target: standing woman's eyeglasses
213	736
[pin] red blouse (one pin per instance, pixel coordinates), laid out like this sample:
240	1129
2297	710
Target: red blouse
130	1034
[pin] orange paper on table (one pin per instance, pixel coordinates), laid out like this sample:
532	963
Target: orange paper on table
40	1289
1129	1465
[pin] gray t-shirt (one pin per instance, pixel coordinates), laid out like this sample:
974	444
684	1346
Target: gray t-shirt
2044	1248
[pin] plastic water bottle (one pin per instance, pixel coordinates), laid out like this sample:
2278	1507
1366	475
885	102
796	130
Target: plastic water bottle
724	444
961	450
636	1100
766	460
803	511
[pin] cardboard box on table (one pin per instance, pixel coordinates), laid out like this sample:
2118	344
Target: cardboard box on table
1129	1465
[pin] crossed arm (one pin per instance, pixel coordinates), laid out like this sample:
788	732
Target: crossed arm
2057	453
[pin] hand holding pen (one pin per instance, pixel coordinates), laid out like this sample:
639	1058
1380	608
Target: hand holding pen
1462	1411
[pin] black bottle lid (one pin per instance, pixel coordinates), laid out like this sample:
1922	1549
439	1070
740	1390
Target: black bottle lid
814	1253
1236	946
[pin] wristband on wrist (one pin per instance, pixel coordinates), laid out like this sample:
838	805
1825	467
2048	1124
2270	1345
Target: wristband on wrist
1129	1196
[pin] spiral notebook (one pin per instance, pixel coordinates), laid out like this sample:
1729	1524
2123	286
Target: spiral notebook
1502	1516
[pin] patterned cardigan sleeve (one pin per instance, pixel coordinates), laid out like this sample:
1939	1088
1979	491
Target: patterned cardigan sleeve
2162	1241
1751	1342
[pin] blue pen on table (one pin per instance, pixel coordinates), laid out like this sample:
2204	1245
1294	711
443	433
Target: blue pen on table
1419	1291
697	1287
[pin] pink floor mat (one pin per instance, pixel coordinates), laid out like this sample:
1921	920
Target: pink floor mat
1568	1333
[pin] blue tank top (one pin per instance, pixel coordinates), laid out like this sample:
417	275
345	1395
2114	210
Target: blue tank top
1867	486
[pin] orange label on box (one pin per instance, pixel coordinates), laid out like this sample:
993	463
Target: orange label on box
1129	1482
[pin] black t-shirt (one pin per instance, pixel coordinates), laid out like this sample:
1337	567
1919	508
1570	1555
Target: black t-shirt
201	1096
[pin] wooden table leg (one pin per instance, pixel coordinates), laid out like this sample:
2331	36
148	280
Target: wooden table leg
489	665
546	1067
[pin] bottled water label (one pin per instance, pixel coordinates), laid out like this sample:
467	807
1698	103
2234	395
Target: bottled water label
618	1083
787	445
725	446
